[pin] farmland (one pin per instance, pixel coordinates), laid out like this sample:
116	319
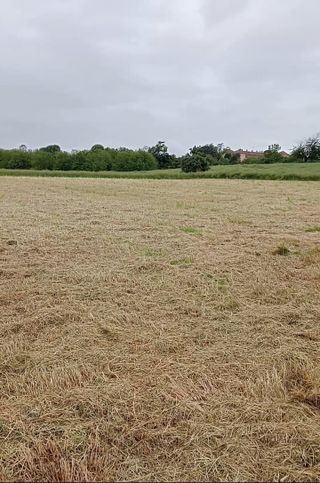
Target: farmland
159	330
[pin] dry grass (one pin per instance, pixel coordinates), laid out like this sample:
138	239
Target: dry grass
150	331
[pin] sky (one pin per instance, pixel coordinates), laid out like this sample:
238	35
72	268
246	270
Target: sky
132	72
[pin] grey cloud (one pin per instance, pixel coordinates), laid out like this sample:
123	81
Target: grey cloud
126	72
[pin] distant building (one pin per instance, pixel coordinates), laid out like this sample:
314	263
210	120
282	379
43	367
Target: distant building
244	154
284	154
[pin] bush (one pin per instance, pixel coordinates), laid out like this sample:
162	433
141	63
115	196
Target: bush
272	156
175	161
97	159
41	160
15	159
195	162
100	160
133	161
162	156
80	161
62	161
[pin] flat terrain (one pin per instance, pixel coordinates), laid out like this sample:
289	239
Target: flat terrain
288	171
159	330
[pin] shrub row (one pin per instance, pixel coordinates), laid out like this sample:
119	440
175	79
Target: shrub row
99	160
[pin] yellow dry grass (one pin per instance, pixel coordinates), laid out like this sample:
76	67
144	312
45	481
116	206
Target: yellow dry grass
152	330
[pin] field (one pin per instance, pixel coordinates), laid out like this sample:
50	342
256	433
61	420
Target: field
286	171
159	330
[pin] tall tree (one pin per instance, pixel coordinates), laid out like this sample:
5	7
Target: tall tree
160	152
308	150
97	147
52	148
274	147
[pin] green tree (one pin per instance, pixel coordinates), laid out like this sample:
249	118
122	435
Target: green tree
208	150
229	157
160	153
133	161
308	151
214	152
97	147
272	154
62	161
100	160
52	149
42	160
195	162
16	159
81	162
274	147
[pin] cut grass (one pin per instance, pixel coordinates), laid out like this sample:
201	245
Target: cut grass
182	261
118	364
282	250
279	171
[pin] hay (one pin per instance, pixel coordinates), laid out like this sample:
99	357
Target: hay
133	349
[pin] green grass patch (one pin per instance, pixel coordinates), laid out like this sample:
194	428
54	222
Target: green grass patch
182	261
191	231
219	282
278	171
185	206
150	252
238	221
313	229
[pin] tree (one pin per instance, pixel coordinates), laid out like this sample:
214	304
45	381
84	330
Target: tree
272	154
208	150
159	149
97	147
41	160
80	161
160	152
195	162
100	160
62	161
229	157
52	149
214	152
18	159
274	147
308	151
133	161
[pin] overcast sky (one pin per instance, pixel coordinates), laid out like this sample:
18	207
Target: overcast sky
131	72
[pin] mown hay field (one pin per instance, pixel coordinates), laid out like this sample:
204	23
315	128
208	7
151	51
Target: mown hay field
159	330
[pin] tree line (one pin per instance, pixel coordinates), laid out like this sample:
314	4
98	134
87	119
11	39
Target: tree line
100	158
